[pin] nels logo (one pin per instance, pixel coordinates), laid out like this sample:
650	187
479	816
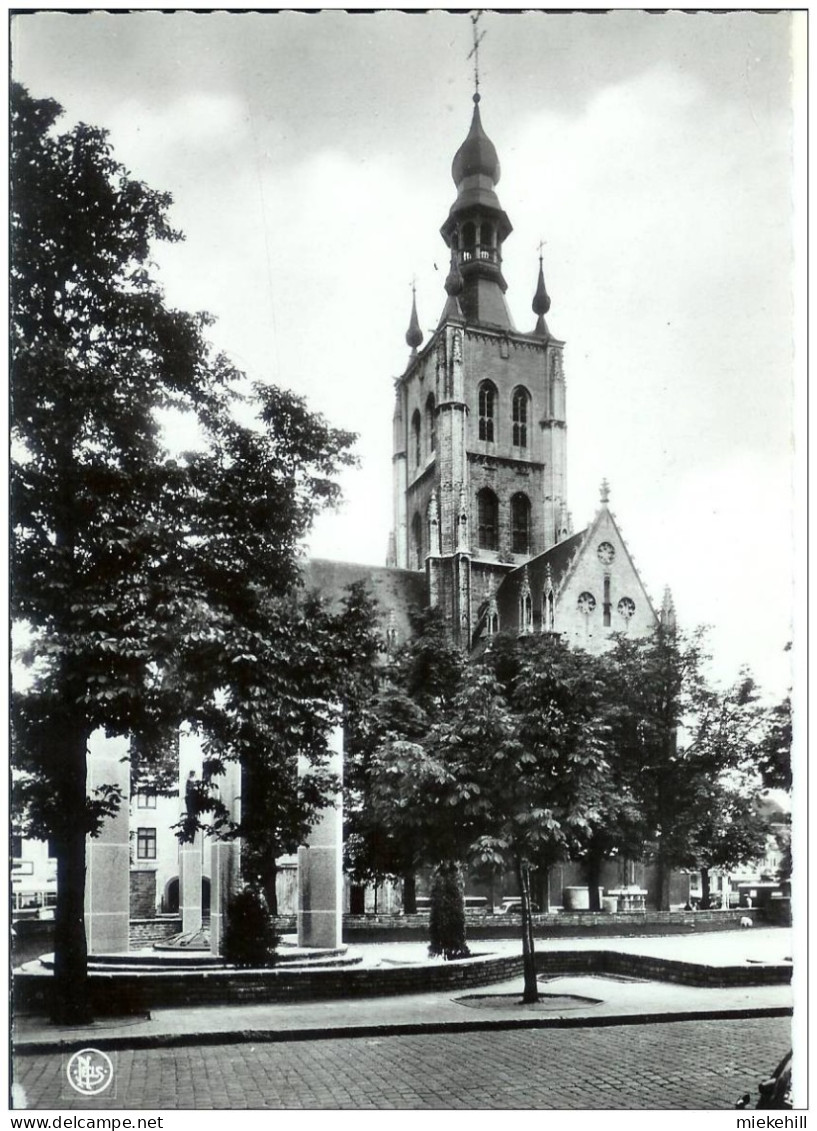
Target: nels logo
89	1072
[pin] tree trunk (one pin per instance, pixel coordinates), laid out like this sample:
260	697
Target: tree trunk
530	993
706	893
662	883
71	1004
592	874
409	894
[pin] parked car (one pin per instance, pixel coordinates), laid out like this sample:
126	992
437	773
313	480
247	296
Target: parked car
513	906
775	1092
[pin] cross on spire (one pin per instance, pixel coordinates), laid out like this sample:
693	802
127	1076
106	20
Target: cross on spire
540	246
475	50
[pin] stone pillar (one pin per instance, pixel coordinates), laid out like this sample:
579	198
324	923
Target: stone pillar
190	853
225	857
320	879
107	869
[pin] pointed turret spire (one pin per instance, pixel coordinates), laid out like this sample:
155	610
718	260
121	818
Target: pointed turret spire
462	524
414	335
548	603
492	614
452	311
541	303
668	621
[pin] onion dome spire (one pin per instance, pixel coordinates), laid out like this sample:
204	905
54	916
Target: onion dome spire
476	229
414	335
477	155
541	303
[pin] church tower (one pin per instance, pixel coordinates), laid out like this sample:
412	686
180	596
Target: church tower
479	420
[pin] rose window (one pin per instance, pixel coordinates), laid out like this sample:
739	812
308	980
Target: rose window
586	603
606	552
626	607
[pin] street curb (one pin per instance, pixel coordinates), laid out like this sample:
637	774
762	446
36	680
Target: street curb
399	1029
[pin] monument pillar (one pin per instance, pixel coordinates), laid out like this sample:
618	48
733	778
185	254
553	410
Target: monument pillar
190	852
225	857
107	868
320	877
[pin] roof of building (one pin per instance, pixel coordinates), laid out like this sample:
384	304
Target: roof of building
397	591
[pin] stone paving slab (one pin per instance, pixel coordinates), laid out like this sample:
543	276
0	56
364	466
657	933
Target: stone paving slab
616	1002
690	1065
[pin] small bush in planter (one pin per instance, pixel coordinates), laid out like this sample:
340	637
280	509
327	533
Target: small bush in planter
447	914
249	936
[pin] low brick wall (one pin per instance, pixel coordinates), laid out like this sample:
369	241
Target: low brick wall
145	932
573	924
117	993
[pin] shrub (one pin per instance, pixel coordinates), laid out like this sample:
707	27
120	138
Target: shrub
447	914
249	936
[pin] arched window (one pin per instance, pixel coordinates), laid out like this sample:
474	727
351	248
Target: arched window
487	519
431	423
417	540
487	411
416	430
520	524
469	239
521	400
485	241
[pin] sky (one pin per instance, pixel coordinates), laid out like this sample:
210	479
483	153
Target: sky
309	157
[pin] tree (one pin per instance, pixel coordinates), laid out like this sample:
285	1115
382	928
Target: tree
730	831
148	583
507	774
678	739
391	715
775	747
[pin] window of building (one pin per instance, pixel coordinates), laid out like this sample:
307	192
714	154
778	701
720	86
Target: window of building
520	524
145	844
487	519
416	431
417	541
146	799
431	423
606	603
469	239
487	411
520	418
16	847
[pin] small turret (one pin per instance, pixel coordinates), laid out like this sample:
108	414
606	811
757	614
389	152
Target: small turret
414	335
541	304
668	621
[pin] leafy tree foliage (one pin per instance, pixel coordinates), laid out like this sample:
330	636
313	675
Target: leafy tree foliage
249	937
775	747
684	745
446	926
394	710
506	773
154	588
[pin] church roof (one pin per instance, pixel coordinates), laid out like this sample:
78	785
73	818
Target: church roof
558	557
397	591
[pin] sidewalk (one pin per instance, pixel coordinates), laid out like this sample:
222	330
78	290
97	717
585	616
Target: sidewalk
603	1000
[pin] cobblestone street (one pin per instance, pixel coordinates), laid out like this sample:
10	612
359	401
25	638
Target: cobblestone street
689	1064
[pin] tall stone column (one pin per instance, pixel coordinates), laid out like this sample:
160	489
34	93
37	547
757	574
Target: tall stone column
320	878
225	857
107	876
190	852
